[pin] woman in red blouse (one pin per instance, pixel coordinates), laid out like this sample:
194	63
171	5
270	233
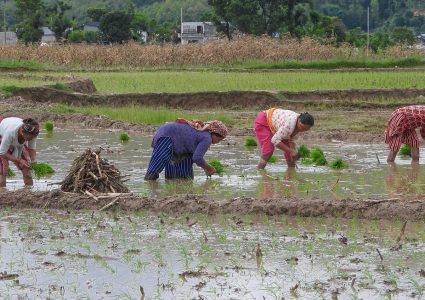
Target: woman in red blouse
401	129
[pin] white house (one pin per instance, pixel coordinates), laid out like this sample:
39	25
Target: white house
197	32
91	26
10	38
48	35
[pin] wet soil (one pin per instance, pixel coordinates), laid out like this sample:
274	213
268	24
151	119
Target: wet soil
205	100
20	107
181	204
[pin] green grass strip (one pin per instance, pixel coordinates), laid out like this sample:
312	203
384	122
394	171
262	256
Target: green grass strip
414	61
17	63
142	115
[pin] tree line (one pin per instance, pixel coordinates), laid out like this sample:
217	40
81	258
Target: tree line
331	21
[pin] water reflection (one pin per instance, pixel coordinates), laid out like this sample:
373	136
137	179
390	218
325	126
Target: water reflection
182	187
402	181
272	186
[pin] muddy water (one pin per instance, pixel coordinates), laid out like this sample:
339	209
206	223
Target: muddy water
75	255
368	174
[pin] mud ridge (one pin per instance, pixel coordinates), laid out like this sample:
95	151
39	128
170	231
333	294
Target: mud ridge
204	100
181	204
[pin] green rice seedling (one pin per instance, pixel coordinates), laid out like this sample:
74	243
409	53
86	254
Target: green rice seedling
338	164
41	170
48	126
405	150
124	137
218	166
318	157
272	159
10	173
250	142
59	86
303	151
307	161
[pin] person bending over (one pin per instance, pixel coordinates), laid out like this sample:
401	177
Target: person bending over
279	128
17	144
401	129
177	145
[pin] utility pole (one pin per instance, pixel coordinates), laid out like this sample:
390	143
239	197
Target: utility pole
4	21
367	44
181	25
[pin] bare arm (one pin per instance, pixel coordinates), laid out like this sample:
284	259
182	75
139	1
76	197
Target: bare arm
33	155
21	162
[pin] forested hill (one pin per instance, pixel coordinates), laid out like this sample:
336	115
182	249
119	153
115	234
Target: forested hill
384	14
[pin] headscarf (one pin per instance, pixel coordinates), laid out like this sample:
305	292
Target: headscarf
214	126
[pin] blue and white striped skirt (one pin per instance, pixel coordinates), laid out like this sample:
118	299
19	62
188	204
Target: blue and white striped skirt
162	157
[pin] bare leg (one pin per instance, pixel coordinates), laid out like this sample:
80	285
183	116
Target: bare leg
415	154
2	181
391	156
27	177
263	161
291	163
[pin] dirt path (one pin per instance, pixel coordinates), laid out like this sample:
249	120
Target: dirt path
348	208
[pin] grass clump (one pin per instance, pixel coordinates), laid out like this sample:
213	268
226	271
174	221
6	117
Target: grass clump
41	170
318	157
250	142
272	159
218	166
405	150
10	173
303	151
48	126
62	108
9	89
124	137
307	161
315	156
59	86
338	164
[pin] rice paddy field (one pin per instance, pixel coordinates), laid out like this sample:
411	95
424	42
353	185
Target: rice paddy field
114	253
205	81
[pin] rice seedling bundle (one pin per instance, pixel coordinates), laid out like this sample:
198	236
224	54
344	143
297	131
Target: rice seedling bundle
318	157
250	142
41	170
272	159
48	126
405	150
10	173
338	164
303	151
124	137
218	166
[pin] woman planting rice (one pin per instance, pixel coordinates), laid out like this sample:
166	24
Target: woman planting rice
401	130
177	145
17	145
279	128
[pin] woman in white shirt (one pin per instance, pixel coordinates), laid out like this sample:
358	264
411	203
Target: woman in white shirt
279	128
17	144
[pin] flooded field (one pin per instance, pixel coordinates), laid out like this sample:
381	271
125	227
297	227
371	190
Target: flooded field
83	255
368	175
